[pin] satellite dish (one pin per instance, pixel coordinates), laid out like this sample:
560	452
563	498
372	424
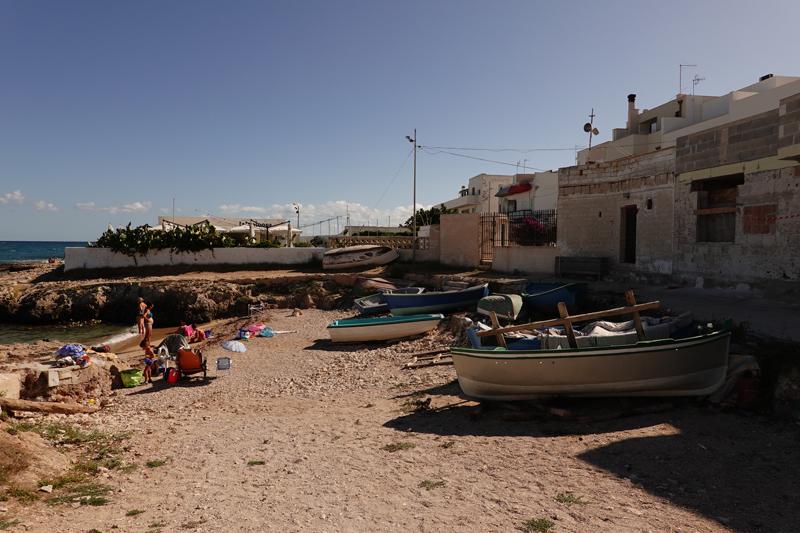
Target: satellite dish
587	127
595	132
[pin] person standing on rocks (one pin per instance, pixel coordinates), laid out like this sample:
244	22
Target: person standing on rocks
141	308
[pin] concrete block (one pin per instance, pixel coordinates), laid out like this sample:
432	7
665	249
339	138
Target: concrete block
10	385
53	379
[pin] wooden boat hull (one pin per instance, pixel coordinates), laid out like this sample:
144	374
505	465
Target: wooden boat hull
435	302
382	329
688	367
544	297
376	303
358	256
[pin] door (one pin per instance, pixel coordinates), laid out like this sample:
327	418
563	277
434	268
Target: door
628	236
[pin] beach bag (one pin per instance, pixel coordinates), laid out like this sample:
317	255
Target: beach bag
131	378
71	349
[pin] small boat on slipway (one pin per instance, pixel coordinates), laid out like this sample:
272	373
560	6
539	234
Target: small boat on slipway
382	329
505	306
544	297
376	303
358	256
435	302
693	366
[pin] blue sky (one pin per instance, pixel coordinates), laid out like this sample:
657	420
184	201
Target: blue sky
109	110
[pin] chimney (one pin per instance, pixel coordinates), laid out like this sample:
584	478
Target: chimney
633	115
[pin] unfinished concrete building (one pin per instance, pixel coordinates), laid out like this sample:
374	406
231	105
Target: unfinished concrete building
702	191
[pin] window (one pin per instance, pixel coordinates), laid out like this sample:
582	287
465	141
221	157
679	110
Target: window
512	205
716	208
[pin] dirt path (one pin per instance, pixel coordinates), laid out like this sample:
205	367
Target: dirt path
293	438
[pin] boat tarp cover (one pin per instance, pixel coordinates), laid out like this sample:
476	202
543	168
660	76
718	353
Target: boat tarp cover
603	333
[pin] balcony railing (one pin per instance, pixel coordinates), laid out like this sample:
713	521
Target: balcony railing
398	243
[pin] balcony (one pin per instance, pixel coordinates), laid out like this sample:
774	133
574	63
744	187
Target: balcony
468	200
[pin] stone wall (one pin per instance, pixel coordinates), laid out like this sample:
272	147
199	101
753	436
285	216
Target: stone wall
752	138
90	258
527	259
590	211
459	240
765	245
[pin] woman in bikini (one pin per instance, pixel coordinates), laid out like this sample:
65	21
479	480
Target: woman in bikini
142	307
148	322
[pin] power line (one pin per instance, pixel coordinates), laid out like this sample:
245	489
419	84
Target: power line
423	148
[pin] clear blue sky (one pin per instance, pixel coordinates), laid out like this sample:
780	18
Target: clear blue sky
109	110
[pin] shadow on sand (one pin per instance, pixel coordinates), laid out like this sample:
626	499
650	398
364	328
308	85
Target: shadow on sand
739	469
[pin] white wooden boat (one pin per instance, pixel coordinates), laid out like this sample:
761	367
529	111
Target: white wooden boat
358	256
693	366
381	329
687	367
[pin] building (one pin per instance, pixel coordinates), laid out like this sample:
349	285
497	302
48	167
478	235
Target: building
701	190
529	192
478	196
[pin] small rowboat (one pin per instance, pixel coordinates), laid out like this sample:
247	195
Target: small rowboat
382	329
505	306
435	302
376	303
544	297
358	256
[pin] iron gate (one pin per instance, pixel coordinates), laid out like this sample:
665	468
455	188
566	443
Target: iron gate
518	228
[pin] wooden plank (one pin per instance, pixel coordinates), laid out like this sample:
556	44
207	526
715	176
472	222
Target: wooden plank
478	413
637	320
574	318
501	341
557	411
522	417
562	310
45	407
632	412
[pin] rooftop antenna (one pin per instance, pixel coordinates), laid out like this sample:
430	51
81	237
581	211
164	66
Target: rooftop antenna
680	77
590	129
697	79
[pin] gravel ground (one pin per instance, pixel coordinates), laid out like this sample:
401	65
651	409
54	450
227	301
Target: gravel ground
295	438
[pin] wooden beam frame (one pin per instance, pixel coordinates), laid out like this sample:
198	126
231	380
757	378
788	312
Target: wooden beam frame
574	318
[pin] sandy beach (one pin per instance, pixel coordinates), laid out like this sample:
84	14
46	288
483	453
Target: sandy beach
302	435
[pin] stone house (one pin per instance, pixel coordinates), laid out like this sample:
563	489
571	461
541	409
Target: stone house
701	190
478	195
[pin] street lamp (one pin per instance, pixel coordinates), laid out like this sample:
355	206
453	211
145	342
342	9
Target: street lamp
414	205
297	210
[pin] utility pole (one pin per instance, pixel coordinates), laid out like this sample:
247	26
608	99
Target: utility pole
414	205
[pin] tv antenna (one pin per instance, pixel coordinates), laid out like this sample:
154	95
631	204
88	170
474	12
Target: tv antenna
590	129
680	77
697	79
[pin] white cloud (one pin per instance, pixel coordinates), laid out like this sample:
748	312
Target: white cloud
92	207
137	207
41	205
239	208
15	197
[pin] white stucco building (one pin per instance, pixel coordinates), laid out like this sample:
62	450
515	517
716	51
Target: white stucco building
478	195
529	192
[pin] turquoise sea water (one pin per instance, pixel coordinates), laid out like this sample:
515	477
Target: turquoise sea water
34	251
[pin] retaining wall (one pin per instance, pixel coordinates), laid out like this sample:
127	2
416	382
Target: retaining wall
88	258
528	259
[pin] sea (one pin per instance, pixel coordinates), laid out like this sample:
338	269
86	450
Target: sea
40	252
35	251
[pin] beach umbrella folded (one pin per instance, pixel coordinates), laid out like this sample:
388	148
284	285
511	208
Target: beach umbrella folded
234	346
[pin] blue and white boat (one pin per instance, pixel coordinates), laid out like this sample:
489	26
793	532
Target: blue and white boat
376	303
435	302
383	328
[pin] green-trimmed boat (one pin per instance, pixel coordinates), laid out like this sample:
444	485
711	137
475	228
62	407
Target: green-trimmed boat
382	329
686	367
